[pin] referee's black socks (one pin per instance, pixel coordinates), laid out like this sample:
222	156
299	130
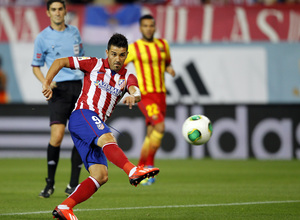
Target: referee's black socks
52	159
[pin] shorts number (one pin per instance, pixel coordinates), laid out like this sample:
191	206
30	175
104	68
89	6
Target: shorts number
152	110
98	122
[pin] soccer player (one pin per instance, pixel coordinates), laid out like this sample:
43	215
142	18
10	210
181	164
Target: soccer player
105	83
56	41
151	58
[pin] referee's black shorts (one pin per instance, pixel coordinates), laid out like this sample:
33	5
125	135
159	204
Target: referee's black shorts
63	101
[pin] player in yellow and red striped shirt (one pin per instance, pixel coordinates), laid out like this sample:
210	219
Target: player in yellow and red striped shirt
151	58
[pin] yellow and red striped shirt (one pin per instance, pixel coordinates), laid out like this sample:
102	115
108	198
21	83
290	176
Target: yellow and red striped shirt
150	60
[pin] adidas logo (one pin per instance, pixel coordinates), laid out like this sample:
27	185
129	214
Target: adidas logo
189	87
51	162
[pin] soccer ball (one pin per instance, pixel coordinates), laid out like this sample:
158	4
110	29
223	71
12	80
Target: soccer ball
197	129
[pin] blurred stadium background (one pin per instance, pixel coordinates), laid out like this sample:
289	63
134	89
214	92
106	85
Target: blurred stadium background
238	62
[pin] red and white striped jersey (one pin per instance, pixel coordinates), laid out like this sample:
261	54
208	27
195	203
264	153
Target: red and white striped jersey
102	87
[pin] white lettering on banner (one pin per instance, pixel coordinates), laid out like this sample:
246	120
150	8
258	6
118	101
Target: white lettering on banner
7	24
240	24
265	27
207	23
238	128
31	26
283	129
182	24
294	28
176	24
169	28
243	24
25	28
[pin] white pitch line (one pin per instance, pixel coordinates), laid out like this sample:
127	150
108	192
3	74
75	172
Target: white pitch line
160	207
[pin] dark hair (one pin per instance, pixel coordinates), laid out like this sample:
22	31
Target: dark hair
49	2
118	40
147	16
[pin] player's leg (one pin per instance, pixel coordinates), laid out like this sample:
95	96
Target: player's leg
53	151
154	109
116	155
155	138
93	158
145	106
98	177
144	151
158	123
145	147
87	125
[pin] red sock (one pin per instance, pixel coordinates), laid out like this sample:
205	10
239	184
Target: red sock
115	155
144	151
83	191
150	158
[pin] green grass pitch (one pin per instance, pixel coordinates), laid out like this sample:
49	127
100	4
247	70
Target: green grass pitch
185	189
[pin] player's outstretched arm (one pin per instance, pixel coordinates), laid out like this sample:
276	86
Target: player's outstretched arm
56	66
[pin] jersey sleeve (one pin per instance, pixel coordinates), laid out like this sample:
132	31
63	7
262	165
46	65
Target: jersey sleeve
132	81
38	53
85	64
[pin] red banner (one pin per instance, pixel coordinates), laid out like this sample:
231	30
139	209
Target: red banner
228	23
22	24
177	24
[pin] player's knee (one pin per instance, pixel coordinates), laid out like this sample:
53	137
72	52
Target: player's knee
56	139
160	127
103	179
106	138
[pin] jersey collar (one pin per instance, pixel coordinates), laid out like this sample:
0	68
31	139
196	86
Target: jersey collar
121	72
66	26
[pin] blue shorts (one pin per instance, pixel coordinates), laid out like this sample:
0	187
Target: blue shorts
86	127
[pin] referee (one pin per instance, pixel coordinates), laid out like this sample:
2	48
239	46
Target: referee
56	41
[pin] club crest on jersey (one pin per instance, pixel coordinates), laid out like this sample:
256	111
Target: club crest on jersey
108	88
161	49
122	83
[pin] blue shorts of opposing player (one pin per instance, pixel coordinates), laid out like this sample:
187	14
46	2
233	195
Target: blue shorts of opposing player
86	127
